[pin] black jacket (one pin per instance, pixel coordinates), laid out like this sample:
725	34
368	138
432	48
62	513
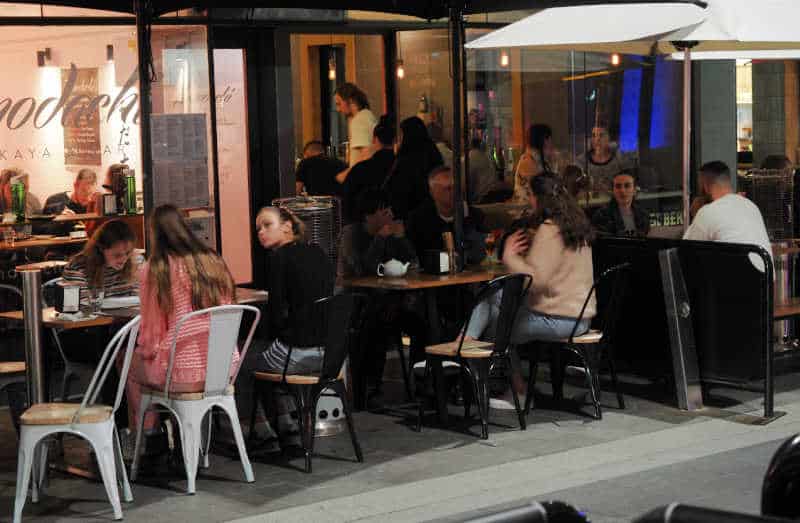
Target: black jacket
608	220
318	174
407	184
425	228
369	173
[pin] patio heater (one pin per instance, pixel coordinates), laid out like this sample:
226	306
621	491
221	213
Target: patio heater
772	190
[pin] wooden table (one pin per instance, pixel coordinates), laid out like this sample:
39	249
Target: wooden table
428	284
42	266
786	309
58	241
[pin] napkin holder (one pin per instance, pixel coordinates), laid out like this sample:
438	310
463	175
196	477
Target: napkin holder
67	298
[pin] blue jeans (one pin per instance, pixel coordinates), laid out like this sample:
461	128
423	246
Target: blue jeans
528	326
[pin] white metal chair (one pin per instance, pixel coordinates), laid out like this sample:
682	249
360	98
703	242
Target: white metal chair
89	420
190	408
72	369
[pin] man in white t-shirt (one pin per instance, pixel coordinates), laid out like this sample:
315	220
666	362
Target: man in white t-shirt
352	103
729	217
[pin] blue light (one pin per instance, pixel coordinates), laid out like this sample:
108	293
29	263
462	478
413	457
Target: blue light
665	99
629	117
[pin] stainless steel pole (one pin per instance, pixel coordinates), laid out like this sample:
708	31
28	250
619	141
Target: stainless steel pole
32	315
687	131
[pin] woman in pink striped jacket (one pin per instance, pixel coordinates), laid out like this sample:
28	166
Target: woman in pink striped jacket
181	275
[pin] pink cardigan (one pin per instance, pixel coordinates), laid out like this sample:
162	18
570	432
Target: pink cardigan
157	330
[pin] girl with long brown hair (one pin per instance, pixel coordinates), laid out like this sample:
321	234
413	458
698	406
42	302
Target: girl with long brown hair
181	275
555	250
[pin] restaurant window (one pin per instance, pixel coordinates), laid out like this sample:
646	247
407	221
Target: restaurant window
69	101
181	127
744	113
633	101
322	62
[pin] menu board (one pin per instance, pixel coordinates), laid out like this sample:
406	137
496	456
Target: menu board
180	160
82	123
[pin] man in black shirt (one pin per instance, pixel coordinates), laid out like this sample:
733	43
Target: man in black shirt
435	216
316	174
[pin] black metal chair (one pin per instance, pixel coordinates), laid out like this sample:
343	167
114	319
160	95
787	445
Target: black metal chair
334	327
591	346
476	358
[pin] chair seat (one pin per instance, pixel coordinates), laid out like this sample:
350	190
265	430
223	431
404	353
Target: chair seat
184	396
62	414
291	379
449	366
470	349
593	336
12	367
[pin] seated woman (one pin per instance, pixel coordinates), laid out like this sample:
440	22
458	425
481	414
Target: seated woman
558	256
105	264
299	274
623	216
182	275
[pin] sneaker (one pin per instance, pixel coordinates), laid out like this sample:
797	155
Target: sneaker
506	401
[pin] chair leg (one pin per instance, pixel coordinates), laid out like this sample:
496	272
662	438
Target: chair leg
440	388
308	419
406	377
592	382
229	406
480	375
613	369
190	426
468	393
25	461
122	476
421	400
103	445
557	373
205	435
533	368
338	388
40	469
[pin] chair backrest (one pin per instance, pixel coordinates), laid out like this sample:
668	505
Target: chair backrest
12	297
124	338
334	321
514	287
224	322
617	276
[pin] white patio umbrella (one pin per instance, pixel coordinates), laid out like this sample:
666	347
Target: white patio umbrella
714	29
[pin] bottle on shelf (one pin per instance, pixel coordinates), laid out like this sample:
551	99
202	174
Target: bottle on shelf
18	200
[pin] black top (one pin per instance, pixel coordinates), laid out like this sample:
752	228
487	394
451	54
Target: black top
407	184
298	275
369	173
318	174
56	204
361	253
608	220
425	228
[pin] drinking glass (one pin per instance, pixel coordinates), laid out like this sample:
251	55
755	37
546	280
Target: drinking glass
9	236
96	300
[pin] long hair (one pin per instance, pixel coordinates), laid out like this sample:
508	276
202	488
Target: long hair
351	93
537	135
284	215
105	237
554	203
211	281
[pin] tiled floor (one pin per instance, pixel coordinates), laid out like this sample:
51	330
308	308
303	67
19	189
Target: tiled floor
633	460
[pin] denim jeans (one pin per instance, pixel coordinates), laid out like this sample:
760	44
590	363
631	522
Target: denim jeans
528	326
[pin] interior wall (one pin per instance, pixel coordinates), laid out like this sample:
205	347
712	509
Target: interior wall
26	141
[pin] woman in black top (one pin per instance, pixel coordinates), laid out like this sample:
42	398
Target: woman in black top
417	156
299	274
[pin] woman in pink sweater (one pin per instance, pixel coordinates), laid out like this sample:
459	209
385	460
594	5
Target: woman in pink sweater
556	251
181	275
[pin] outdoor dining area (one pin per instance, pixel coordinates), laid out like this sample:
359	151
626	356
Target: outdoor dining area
560	277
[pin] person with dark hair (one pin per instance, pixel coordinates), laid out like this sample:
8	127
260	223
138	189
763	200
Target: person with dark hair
730	217
556	251
79	201
623	216
371	172
376	239
316	173
776	162
482	176
603	162
416	157
540	156
351	102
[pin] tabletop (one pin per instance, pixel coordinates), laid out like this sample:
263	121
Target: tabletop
42	241
109	316
786	309
415	280
42	266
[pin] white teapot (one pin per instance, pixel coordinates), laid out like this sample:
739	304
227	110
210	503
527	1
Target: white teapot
393	268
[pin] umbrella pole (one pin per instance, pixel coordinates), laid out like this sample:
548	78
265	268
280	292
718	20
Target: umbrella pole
687	128
144	15
456	55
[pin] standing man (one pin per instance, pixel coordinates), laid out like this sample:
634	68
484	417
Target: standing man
352	103
729	217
